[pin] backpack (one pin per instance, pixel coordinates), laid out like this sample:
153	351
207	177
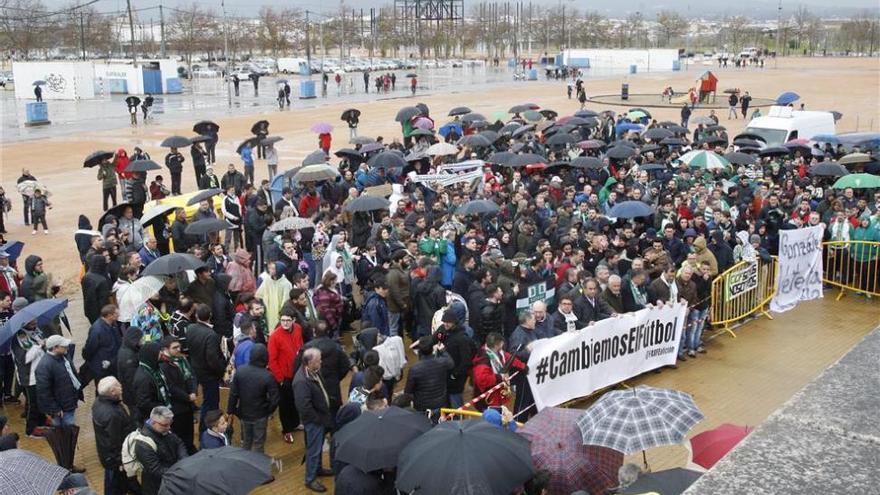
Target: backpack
130	463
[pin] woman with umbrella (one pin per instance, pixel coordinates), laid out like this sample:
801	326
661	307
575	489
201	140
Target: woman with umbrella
107	176
352	118
132	103
120	163
146	105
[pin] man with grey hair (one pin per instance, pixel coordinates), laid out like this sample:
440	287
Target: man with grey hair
543	325
602	276
313	405
612	295
112	424
157	449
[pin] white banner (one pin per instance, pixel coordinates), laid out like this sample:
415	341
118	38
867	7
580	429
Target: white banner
800	268
576	364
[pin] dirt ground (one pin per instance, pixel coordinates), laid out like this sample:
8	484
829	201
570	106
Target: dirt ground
850	86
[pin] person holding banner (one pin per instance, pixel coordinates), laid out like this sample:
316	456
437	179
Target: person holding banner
520	345
493	366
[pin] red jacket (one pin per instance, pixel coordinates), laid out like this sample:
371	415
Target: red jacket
283	348
484	378
309	204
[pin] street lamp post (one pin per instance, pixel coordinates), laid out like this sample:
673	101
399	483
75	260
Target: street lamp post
226	55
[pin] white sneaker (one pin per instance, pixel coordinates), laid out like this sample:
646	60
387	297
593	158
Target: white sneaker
34	232
46	232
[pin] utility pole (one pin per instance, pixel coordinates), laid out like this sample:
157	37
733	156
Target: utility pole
308	46
778	35
162	30
82	34
131	30
225	53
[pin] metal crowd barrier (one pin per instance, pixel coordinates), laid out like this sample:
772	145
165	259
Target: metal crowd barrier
853	266
742	290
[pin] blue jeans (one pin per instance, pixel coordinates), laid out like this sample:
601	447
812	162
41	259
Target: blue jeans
210	400
455	400
68	418
393	323
697	323
314	434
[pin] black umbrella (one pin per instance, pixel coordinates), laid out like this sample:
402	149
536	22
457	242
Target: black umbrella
421	132
522	130
260	126
415	156
172	264
587	162
750	135
203	195
206	226
649	147
712	140
155	213
374	440
362	140
586	113
387	159
582	122
205	127
132	101
509	127
657	133
673	142
828	169
775	151
176	142
472	117
492	136
96	158
620	152
350	155
715	128
747	143
521	108
223	471
667	123
315	158
201	138
459	111
423	108
677	129
624	142
525	159
142	166
62	440
549	114
479	124
738	158
749	149
652	167
668	482
478	207
561	139
479	459
412	74
367	202
407	113
116	211
251	142
630	209
474	141
271	139
350	114
837	115
501	157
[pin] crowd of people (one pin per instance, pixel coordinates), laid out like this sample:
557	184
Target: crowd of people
265	309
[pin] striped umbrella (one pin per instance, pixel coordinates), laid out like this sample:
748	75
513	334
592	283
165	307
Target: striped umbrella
557	447
705	159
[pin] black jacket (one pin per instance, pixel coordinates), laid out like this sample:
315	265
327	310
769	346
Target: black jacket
560	326
461	349
335	364
102	344
55	390
491	320
169	450
428	297
205	353
179	387
222	311
427	381
253	393
127	364
146	392
112	423
310	401
476	298
587	312
629	302
95	287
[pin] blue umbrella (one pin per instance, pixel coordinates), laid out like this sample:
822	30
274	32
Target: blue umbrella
43	311
787	97
826	138
13	249
626	127
630	209
450	127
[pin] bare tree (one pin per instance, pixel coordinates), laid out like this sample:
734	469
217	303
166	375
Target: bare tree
25	27
670	25
735	27
278	30
193	30
86	29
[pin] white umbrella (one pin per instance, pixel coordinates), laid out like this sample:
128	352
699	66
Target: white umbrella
442	149
27	188
136	294
291	223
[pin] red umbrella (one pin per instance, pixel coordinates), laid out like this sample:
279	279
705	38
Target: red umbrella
710	446
557	446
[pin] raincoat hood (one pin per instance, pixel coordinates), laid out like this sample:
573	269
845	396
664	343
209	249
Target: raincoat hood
700	244
83	223
242	257
132	338
30	262
98	264
259	356
221	281
149	355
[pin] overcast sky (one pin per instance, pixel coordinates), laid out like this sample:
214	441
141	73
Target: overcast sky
612	8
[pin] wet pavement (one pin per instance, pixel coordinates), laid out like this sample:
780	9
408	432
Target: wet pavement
207	99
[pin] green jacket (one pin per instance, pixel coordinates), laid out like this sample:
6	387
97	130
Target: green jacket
864	252
107	175
432	247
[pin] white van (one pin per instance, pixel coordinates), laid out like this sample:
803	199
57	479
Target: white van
291	65
782	124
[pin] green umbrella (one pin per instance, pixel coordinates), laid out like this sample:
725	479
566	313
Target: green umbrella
636	115
499	116
532	116
705	159
857	181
